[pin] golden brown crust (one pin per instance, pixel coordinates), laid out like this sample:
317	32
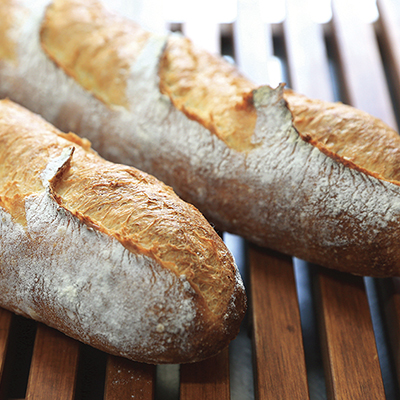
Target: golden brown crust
7	45
283	181
93	46
101	45
135	208
209	90
353	137
145	217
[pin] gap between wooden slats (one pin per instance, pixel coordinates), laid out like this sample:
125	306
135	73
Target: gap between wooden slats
280	370
54	366
17	361
390	296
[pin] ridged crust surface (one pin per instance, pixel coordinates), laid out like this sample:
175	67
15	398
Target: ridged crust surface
281	184
106	253
348	133
7	48
100	49
210	91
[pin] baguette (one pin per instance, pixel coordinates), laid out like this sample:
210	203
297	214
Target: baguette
312	179
108	254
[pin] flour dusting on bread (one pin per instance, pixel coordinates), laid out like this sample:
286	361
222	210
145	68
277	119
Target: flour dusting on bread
284	185
106	253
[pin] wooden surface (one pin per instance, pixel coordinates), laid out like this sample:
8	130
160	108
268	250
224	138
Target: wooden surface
207	379
350	354
360	62
5	323
249	28
276	328
305	44
389	33
347	59
54	366
126	379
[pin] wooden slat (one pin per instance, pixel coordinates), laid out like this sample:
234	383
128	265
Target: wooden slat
252	42
351	358
54	366
362	68
204	33
5	324
207	379
126	379
306	53
389	23
280	371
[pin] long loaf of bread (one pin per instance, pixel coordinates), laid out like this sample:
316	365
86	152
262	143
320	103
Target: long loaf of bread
316	180
108	254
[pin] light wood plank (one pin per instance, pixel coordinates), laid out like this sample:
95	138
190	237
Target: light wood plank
351	358
280	371
252	42
362	68
205	34
306	53
126	379
207	379
54	366
389	24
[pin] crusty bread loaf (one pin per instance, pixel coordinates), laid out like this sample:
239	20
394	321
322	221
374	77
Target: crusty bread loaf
311	179
107	254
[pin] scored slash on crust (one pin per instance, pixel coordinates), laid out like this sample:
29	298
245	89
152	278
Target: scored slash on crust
57	166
